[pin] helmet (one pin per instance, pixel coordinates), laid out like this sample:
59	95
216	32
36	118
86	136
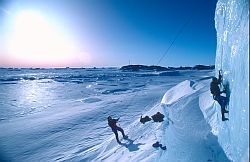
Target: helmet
214	79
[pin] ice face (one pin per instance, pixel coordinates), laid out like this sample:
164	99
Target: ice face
232	57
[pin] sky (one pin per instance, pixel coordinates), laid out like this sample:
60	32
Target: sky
102	33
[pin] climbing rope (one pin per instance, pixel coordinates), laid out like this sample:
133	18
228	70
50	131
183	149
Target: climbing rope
176	36
171	44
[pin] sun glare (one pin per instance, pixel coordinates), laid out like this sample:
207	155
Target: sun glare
34	41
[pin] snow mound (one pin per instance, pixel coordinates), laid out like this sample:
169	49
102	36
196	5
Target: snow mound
176	93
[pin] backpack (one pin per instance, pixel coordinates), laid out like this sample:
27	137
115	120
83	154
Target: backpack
214	89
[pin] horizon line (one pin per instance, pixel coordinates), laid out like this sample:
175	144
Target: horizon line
91	67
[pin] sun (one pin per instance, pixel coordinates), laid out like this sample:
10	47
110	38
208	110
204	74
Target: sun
35	41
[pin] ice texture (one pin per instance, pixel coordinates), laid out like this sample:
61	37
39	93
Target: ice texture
232	57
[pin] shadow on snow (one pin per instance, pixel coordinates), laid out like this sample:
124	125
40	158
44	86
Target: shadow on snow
130	145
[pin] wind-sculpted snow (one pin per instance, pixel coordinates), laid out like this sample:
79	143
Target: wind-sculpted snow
174	93
232	57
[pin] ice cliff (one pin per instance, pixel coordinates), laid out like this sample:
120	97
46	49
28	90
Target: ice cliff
232	57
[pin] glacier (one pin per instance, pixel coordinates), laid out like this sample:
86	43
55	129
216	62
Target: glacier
232	57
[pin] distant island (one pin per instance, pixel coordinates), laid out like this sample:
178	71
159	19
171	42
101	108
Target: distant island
160	68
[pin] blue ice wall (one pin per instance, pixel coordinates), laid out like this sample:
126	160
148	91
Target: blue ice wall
232	57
